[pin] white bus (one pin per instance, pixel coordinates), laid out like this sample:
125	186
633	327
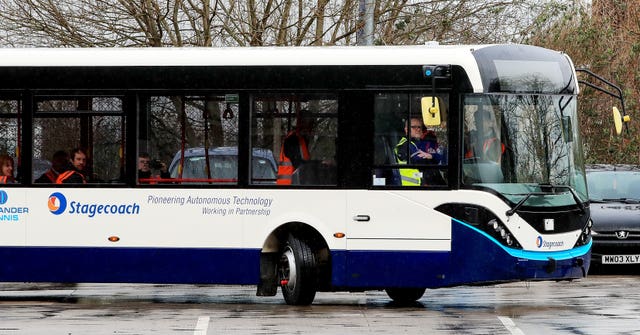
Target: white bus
348	220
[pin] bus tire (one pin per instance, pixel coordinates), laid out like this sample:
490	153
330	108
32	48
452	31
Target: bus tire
405	295
297	272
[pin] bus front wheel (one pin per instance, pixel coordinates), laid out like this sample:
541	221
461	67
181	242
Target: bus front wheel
298	272
403	295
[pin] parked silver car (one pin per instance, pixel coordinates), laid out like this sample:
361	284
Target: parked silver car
223	165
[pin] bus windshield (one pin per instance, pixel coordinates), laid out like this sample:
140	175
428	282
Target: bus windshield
517	144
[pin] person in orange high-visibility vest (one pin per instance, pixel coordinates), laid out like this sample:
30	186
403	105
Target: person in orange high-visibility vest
6	170
294	150
492	147
71	176
74	172
59	163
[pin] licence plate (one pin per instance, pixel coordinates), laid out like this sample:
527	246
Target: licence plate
620	259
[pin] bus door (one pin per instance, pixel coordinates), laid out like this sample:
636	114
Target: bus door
390	233
392	228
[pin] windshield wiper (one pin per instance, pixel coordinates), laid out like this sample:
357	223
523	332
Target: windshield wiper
623	200
547	189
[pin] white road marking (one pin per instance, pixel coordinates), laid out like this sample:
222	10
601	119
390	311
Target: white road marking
201	326
510	325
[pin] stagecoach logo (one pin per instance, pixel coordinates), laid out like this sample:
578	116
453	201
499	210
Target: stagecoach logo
541	243
58	204
622	235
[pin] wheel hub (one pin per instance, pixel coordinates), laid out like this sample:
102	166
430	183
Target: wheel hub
288	269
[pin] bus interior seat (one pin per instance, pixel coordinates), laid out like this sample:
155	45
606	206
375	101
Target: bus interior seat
384	155
314	172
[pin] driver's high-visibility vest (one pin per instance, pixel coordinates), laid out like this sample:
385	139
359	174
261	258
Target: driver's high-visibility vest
409	177
4	180
285	166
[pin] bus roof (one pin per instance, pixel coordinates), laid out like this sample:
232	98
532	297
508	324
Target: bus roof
476	60
248	56
241	56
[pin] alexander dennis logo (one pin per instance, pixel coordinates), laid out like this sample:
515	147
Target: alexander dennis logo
10	213
3	197
541	243
58	205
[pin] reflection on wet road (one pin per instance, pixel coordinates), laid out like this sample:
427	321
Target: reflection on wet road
596	305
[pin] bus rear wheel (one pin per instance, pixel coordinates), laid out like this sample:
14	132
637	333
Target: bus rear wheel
404	295
298	272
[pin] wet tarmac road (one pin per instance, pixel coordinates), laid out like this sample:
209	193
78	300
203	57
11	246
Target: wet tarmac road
596	305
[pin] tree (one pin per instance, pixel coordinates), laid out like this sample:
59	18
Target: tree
605	38
155	23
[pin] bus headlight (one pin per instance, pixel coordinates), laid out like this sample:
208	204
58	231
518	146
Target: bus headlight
494	224
500	232
509	240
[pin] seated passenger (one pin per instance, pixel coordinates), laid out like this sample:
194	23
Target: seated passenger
75	171
6	170
59	163
145	175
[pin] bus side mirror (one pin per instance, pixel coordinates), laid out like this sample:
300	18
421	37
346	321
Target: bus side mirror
430	111
619	120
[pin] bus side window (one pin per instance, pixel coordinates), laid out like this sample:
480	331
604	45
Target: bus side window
190	140
401	138
301	132
9	173
91	124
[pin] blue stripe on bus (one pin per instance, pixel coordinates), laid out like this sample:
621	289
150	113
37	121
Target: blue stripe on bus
135	265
